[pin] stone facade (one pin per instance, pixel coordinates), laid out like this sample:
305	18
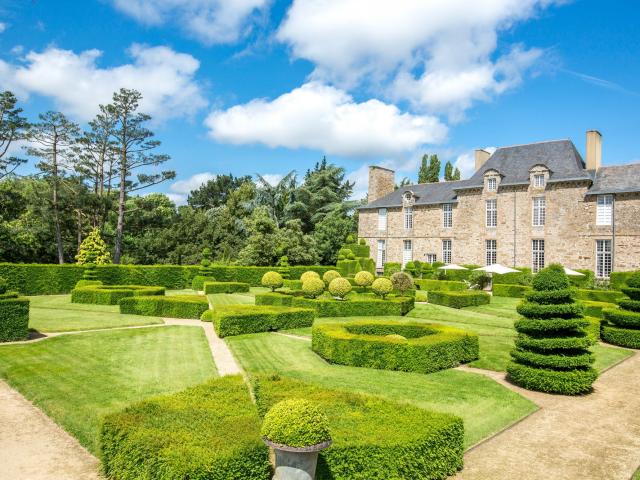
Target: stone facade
381	182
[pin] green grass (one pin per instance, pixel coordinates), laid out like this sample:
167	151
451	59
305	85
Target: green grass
220	299
636	476
75	379
56	313
485	406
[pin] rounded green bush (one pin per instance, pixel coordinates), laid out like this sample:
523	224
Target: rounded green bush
402	282
551	278
350	239
313	287
339	287
382	287
344	252
341	257
295	423
4	285
634	280
272	280
362	241
330	275
364	278
309	275
351	256
567	382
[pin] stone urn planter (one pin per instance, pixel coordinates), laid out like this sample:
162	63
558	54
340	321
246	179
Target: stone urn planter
296	463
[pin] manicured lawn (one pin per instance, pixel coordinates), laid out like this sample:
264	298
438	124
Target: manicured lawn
56	313
231	299
485	406
75	379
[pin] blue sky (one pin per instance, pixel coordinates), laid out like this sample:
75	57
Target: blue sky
266	86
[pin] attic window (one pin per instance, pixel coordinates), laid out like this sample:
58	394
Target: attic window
408	196
538	180
492	184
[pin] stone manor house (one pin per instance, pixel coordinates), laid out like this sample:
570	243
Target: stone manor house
525	205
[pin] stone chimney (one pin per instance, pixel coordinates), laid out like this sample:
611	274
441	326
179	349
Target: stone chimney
481	157
594	150
382	181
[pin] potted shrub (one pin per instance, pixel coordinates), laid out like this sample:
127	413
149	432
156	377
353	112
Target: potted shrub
339	288
296	430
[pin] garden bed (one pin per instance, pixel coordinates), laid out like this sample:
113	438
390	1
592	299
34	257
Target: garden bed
112	294
232	320
176	306
409	347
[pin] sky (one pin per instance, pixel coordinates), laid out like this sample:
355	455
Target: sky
270	86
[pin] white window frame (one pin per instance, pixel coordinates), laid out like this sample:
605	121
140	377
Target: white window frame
491	247
537	254
381	255
538	211
431	258
382	219
408	218
492	184
491	210
447	215
447	249
604	258
538	180
604	210
407	253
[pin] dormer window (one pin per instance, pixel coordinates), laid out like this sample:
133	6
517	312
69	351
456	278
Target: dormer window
408	196
538	180
492	184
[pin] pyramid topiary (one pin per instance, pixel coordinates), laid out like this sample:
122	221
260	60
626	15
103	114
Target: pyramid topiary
93	250
551	351
621	326
205	272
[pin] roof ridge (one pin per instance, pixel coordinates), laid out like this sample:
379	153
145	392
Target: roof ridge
535	143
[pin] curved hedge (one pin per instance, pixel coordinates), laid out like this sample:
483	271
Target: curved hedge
623	337
425	348
632	293
225	287
112	294
14	317
621	326
632	305
231	320
469	298
551	350
176	306
211	431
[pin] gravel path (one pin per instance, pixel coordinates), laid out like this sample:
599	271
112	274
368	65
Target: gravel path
595	437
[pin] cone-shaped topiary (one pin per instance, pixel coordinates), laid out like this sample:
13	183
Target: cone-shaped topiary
93	250
309	275
339	287
313	287
364	278
551	351
295	423
382	287
272	280
621	326
330	275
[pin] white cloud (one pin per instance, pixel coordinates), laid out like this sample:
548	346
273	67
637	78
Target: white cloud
3	27
360	178
466	162
272	178
437	54
324	118
179	191
209	21
177	198
77	84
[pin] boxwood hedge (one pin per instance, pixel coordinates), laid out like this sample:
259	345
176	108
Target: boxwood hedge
439	285
112	294
609	296
225	287
409	347
621	326
177	306
513	291
14	317
467	298
623	337
210	431
374	438
231	320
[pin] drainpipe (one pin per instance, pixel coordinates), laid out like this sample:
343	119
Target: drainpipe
613	231
515	227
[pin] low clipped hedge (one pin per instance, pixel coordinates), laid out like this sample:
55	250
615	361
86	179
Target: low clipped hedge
623	337
374	438
225	287
355	305
198	281
510	290
37	279
229	320
210	431
112	294
521	277
609	296
439	285
14	317
177	306
408	347
569	382
468	298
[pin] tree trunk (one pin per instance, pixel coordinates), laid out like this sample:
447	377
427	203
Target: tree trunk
56	217
120	226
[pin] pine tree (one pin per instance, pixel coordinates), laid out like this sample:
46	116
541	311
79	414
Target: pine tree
456	174
423	173
448	171
93	250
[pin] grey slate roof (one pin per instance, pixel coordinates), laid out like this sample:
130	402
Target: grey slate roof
513	163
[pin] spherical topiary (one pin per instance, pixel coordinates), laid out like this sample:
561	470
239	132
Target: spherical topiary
402	282
362	241
330	275
309	275
341	257
344	252
339	287
382	286
551	278
351	256
313	287
272	280
364	278
4	285
295	423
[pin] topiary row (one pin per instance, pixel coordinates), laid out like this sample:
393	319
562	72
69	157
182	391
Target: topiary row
621	326
552	347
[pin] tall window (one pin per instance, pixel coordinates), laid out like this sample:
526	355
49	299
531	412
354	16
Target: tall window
408	218
382	255
382	219
431	258
446	251
407	252
604	210
492	184
447	215
538	180
492	252
539	211
537	249
492	213
604	260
